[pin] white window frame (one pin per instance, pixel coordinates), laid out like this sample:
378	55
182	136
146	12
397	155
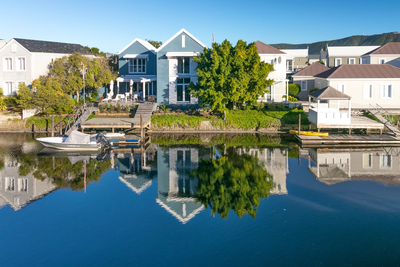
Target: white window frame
183	65
370	158
385	164
183	41
360	61
8	64
184	86
341	87
368	91
23	185
338	60
382	60
289	67
18	64
385	92
6	88
135	61
9	184
354	60
303	88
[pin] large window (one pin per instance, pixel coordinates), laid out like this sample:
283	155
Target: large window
21	64
23	185
352	61
303	85
9	184
8	64
386	91
137	65
183	93
367	161
385	161
341	87
183	65
367	91
8	88
289	65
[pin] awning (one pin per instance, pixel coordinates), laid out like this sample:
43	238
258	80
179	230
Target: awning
146	56
182	54
137	78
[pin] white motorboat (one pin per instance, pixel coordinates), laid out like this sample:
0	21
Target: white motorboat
75	141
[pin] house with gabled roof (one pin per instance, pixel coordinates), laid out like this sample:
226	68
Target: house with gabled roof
278	91
366	84
342	55
165	72
386	54
305	78
296	59
24	60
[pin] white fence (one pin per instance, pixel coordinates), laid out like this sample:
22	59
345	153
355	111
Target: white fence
329	116
26	113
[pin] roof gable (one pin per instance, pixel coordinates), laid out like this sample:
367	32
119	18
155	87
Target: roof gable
13	41
386	49
329	93
176	35
365	71
146	45
263	48
312	70
36	46
349	51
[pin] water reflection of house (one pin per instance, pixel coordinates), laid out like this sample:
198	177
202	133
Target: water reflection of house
176	190
137	168
18	190
331	166
276	163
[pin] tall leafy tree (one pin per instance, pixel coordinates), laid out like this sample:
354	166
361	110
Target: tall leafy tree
232	182
228	74
156	44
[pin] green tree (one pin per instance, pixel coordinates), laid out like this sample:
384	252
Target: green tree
232	182
228	74
156	44
24	97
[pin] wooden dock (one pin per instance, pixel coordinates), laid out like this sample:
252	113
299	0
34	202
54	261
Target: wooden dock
342	140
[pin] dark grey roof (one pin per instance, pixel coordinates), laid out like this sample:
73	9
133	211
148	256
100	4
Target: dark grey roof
329	93
51	47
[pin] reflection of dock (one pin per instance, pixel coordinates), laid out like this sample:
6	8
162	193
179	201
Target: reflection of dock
347	140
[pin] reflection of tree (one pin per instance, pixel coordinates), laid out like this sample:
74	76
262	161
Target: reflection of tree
65	174
234	182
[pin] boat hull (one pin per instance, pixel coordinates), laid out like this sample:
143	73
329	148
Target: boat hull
57	143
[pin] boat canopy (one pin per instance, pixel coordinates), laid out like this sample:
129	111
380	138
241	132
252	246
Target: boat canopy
76	137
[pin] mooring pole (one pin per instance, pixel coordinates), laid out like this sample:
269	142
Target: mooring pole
61	126
141	128
52	125
299	123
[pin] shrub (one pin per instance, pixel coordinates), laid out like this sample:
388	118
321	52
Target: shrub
127	109
259	106
110	108
293	98
118	108
294	89
271	106
313	90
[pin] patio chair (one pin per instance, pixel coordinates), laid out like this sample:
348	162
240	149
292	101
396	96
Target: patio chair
135	97
107	99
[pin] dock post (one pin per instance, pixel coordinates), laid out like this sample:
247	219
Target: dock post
349	131
141	128
52	125
33	127
60	131
299	124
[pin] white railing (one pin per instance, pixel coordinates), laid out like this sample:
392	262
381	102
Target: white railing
26	113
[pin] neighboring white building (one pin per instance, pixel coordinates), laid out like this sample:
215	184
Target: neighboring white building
386	54
305	78
278	91
23	61
296	59
367	84
341	55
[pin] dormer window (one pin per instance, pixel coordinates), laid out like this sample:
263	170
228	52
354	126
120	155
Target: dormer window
137	65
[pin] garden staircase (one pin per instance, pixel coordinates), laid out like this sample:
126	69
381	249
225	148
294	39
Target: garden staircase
80	116
145	109
389	120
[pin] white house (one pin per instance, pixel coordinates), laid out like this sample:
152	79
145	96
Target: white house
278	91
386	54
25	60
340	55
367	85
296	59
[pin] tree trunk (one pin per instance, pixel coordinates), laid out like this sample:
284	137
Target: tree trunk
77	97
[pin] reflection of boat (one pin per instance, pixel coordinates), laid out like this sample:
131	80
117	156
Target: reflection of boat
308	133
75	141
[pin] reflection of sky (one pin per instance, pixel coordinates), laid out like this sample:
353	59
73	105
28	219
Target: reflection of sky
352	223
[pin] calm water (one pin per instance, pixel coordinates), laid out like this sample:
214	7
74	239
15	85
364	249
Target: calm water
322	207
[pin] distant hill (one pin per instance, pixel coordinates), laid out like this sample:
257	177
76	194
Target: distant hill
356	40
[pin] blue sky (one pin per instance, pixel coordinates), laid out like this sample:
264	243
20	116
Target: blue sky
111	25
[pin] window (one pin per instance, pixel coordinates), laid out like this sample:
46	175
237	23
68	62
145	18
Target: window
341	87
352	61
319	85
367	160
386	91
23	185
360	61
381	61
183	93
338	62
10	184
183	65
137	65
8	64
20	63
367	93
303	85
289	65
8	88
385	161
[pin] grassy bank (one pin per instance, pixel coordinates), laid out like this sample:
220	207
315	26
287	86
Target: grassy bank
236	119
